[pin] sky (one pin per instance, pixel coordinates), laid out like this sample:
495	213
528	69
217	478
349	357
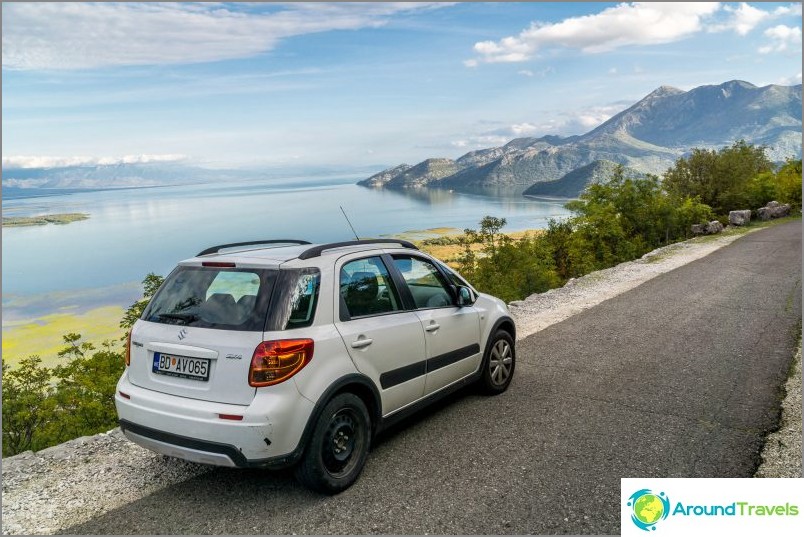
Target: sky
355	84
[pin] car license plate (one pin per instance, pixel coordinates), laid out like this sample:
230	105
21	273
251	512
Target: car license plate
181	366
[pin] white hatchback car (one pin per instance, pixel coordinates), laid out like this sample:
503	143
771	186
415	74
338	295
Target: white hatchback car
278	353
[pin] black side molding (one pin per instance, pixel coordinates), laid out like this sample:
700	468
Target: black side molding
389	379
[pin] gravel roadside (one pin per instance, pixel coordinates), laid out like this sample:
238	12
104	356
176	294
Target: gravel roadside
71	483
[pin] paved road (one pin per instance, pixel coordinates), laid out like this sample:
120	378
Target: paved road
679	377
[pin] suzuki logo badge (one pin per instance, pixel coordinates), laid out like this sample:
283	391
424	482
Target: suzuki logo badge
182	334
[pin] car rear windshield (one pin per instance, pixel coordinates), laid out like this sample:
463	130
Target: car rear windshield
211	297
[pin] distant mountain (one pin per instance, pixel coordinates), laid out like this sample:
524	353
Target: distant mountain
382	178
107	176
27	182
647	137
572	184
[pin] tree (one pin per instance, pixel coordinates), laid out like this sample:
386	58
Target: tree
506	268
150	285
84	393
27	404
719	179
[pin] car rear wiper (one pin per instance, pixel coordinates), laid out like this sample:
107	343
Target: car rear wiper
186	317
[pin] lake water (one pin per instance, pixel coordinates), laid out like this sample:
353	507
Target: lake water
135	231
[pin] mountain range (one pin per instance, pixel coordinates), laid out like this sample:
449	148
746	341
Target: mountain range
63	179
647	137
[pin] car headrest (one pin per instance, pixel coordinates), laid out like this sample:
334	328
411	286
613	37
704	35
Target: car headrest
363	288
219	308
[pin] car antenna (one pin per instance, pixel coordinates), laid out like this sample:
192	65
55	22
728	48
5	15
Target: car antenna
348	222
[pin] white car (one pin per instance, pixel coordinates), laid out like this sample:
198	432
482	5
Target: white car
271	354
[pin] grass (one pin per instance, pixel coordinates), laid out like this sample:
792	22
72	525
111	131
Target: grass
43	335
41	220
421	234
449	253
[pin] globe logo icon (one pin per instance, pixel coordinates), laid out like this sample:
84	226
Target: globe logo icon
648	508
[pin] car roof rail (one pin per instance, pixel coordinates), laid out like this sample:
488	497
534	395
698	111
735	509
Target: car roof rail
316	251
216	249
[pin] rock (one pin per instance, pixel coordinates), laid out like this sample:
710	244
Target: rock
698	229
740	218
773	209
58	452
713	227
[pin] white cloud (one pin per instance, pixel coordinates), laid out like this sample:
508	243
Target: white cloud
744	18
793	10
82	35
540	73
481	141
636	23
523	129
783	38
23	161
587	119
791	80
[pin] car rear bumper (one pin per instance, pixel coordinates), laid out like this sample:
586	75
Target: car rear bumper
268	435
200	451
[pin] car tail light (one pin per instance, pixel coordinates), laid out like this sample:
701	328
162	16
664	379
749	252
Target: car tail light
128	348
276	361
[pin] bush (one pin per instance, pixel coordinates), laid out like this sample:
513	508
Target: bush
27	405
736	177
506	268
621	219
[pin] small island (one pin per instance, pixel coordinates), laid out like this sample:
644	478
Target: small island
41	220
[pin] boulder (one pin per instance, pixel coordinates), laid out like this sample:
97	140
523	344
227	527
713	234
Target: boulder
772	210
739	218
713	227
698	229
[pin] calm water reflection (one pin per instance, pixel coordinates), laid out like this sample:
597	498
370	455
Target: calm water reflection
131	232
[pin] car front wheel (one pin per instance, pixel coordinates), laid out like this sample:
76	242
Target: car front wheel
498	363
338	447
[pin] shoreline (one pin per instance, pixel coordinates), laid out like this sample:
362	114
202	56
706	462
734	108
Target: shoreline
59	219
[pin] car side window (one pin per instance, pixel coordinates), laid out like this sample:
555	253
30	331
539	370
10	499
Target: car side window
426	283
303	300
366	288
453	277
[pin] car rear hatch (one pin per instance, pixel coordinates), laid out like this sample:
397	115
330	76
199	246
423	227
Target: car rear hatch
197	336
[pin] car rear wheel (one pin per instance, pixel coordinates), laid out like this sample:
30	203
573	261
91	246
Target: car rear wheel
338	447
498	363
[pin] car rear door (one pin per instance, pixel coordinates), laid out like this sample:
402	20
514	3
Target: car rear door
385	342
452	333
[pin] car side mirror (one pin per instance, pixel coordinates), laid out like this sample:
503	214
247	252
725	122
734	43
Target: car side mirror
465	296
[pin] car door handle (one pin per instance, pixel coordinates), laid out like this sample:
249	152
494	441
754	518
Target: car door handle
432	327
363	342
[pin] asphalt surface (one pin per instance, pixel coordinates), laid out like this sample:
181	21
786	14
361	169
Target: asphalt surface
679	377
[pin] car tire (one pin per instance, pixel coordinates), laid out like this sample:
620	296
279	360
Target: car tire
338	447
498	363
